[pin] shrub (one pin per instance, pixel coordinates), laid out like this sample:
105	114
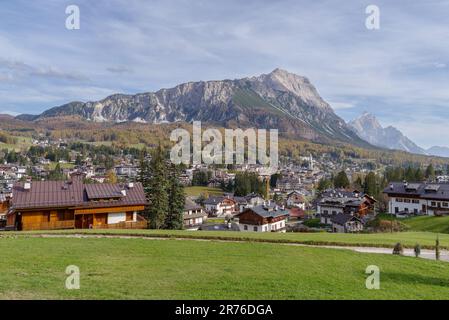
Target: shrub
417	250
313	223
383	225
398	249
437	249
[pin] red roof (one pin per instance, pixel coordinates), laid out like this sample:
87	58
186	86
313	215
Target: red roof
73	193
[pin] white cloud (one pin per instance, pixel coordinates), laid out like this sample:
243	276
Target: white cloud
133	46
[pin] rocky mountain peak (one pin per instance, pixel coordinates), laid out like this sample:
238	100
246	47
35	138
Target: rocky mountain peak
366	122
279	100
368	128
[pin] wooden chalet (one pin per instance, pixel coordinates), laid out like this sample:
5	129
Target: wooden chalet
43	205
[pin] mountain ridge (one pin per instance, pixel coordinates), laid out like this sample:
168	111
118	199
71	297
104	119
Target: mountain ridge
276	100
368	128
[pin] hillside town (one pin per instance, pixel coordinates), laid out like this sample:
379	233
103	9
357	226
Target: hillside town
61	185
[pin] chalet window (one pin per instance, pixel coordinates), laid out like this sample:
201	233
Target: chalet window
415	201
433	203
398	200
334	212
255	228
415	211
245	227
407	200
396	209
445	204
325	212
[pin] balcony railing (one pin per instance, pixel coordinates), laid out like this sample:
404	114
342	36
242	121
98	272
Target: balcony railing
123	225
51	225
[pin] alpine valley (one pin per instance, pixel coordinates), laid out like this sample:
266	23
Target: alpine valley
277	100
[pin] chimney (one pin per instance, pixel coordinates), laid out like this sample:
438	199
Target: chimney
391	186
27	184
130	185
124	192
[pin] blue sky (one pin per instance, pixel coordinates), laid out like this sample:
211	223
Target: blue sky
400	73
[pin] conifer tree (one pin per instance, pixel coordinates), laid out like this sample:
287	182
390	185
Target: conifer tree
144	178
430	172
176	199
341	180
157	189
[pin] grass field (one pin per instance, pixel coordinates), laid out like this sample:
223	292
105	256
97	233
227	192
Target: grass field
23	143
34	268
198	190
408	239
428	223
53	165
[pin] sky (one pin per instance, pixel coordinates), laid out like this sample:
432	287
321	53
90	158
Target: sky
399	73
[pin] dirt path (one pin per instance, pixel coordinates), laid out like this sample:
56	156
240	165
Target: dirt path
425	253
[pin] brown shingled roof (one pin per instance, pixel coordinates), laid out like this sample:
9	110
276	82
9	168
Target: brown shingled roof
63	194
103	190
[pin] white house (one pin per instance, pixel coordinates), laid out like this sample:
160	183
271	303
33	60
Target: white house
220	206
249	201
264	218
345	223
417	198
334	201
194	215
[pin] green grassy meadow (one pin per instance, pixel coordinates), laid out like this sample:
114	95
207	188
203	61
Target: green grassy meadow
428	223
198	190
408	239
117	268
23	143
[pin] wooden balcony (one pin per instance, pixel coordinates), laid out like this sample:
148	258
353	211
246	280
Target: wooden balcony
123	225
51	225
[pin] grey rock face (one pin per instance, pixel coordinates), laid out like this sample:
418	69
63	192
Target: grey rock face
369	129
278	100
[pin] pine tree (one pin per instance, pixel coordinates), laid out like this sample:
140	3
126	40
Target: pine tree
409	174
430	172
370	185
144	178
176	200
341	180
157	190
324	184
419	176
